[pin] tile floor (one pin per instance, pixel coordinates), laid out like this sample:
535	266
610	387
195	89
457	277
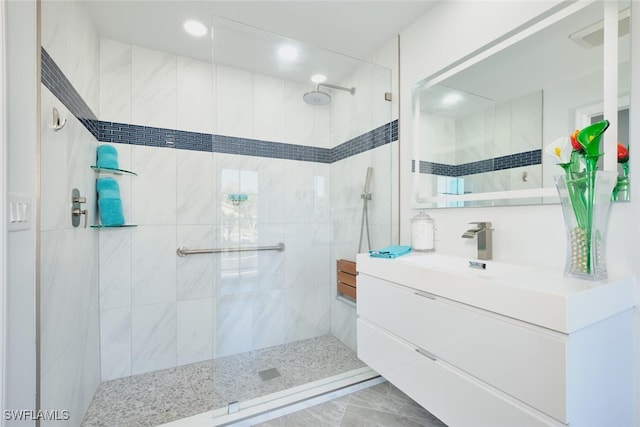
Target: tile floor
381	405
162	396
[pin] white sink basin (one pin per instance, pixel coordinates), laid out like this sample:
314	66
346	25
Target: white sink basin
464	266
512	290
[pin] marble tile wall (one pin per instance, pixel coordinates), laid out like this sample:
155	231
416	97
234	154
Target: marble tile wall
504	138
207	98
69	312
69	37
514	127
353	115
347	181
158	310
436	139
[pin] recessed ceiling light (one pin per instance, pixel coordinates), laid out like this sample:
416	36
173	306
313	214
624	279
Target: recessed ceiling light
195	28
288	53
318	78
451	99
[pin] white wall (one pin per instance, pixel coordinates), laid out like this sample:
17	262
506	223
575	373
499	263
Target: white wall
532	235
22	137
69	315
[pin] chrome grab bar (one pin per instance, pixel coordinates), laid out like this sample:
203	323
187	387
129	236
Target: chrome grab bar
184	251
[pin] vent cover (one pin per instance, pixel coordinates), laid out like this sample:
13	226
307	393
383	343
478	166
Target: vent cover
593	35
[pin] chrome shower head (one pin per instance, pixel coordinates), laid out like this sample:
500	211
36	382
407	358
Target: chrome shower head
316	97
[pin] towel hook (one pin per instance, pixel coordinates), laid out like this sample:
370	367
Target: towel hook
57	123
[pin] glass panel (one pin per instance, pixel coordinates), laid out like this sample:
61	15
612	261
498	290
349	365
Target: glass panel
229	156
296	176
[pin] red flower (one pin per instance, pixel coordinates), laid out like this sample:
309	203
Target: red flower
623	153
574	141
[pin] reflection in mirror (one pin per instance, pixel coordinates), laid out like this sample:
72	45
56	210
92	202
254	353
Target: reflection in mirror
621	190
479	130
477	145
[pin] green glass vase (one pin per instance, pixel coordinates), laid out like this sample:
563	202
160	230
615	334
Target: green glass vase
586	202
621	190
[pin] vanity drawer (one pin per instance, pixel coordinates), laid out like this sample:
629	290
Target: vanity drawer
522	360
457	399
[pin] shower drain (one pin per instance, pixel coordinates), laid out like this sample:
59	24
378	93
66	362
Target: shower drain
269	374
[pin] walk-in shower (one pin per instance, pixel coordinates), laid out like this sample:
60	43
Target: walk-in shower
318	97
227	159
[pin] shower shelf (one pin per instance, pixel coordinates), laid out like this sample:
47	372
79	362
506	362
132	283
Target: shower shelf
111	171
113	226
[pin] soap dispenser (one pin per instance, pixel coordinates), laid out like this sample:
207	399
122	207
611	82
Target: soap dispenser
423	233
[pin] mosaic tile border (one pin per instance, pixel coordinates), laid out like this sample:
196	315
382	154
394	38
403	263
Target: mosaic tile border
373	139
510	161
122	133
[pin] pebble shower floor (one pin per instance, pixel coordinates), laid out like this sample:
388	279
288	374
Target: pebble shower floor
159	397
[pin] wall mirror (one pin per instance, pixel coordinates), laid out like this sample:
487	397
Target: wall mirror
480	127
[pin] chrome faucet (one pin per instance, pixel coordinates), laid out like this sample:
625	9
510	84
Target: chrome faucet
483	233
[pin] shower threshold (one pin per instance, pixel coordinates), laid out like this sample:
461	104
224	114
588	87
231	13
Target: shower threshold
285	401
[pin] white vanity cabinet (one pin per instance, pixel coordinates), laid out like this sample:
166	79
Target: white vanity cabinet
473	367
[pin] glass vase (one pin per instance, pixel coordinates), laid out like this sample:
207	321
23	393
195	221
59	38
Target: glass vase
621	190
586	200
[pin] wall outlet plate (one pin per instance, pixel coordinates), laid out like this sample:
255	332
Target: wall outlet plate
19	212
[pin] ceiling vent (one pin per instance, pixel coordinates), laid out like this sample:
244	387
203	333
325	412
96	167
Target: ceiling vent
593	35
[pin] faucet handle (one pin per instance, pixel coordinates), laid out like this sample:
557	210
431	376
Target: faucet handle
482	224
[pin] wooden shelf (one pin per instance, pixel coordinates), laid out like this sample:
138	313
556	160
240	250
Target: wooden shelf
346	275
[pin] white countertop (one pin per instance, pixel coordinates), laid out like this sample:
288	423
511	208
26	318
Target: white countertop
542	297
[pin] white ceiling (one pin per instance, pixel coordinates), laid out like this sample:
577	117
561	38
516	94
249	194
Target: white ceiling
353	28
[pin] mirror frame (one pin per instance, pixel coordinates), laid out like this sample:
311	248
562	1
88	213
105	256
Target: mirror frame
610	102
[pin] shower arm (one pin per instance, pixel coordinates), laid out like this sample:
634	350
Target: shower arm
346	89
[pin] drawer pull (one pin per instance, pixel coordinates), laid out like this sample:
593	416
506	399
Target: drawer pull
426	295
426	354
